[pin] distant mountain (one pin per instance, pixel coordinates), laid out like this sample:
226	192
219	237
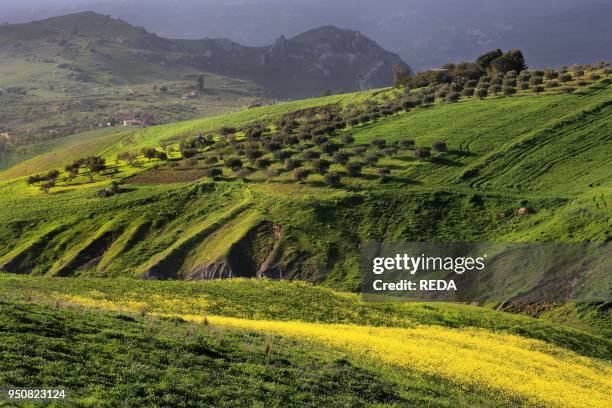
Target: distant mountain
425	33
320	60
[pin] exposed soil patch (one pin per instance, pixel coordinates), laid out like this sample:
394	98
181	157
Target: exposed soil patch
166	176
248	255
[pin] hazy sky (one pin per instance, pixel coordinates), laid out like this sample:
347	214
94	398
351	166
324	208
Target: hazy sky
426	33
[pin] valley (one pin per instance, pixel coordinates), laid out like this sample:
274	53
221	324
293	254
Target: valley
174	233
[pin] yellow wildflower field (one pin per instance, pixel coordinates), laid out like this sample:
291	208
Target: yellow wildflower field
531	369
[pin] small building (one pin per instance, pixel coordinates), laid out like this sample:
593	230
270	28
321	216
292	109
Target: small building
132	122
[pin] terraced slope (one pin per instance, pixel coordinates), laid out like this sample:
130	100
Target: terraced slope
503	153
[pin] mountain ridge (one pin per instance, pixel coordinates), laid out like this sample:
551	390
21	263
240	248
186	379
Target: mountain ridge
325	59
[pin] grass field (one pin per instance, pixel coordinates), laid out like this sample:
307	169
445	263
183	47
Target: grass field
73	310
282	341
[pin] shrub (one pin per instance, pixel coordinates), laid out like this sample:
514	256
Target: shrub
409	104
273	146
524	86
383	171
482	93
320	166
263	163
456	87
550	73
380	143
471	83
333	179
347	139
300	174
595	77
305	136
536	80
364	118
538	89
389	151
565	77
468	92
281	155
35	179
211	160
292	164
52	175
509	90
582	83
330	147
422	153
233	163
495	89
253	154
213	173
429	99
312	154
149	152
342	157
442	93
453	97
371	159
407	143
320	139
439	146
353	169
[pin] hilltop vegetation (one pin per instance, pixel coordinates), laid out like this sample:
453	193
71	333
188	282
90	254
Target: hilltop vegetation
243	194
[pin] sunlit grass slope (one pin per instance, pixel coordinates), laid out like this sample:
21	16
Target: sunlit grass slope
145	339
292	301
549	153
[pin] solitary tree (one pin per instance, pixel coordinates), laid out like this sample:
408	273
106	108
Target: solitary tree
439	146
95	165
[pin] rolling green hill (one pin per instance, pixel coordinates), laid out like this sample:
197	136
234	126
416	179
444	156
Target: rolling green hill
163	225
102	266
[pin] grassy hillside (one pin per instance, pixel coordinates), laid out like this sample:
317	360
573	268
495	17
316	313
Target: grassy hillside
174	222
292	342
172	205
